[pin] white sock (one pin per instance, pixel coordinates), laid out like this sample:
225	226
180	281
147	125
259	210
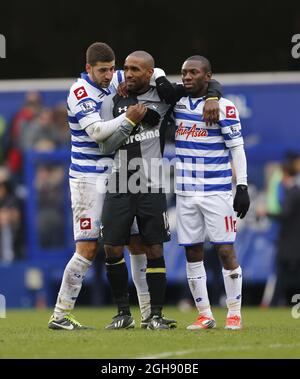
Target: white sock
71	285
138	270
233	288
196	277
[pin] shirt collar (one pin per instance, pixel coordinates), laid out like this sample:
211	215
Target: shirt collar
85	76
197	102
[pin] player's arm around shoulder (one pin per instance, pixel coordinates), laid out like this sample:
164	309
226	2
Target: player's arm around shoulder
211	109
117	79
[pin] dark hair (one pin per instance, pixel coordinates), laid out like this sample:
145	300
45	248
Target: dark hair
205	62
99	52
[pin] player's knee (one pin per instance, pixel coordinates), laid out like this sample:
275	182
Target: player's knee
88	250
136	246
155	251
194	253
227	257
113	251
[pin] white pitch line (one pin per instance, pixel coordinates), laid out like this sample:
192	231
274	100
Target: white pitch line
220	348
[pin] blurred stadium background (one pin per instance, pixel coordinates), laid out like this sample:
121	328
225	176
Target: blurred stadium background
250	50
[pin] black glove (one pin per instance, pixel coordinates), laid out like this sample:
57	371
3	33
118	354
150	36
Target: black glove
241	201
151	117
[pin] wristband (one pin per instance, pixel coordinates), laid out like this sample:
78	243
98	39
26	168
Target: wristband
130	122
212	98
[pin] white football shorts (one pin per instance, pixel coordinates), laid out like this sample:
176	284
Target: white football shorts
87	198
201	216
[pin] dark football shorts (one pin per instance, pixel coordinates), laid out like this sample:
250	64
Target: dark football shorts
150	210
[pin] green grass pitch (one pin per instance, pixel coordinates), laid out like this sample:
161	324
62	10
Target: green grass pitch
267	333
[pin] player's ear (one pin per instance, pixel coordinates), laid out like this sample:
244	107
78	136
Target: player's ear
208	75
150	72
88	68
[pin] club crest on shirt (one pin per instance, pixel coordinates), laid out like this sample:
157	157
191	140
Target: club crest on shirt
234	132
88	106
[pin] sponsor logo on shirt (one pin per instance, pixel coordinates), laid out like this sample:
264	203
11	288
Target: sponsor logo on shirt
142	136
85	224
230	112
190	132
80	93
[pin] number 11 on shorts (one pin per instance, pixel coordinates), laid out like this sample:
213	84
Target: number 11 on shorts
230	224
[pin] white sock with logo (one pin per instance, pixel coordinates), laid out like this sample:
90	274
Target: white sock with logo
233	288
196	276
71	285
138	271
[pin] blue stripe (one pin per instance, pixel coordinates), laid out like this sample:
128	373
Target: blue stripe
191	244
85	144
90	169
200	145
203	174
189	173
222	243
228	138
68	107
227	122
218	174
201	160
79	133
76	155
72	119
189	117
80	115
203	187
119	76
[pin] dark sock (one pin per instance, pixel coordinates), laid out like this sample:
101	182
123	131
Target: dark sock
156	280
117	275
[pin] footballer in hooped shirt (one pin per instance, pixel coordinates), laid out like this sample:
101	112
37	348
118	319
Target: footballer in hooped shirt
204	201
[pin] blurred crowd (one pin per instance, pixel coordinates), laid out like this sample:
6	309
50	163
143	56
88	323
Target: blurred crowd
38	128
282	206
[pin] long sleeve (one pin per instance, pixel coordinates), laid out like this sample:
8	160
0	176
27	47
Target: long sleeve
116	139
101	130
239	163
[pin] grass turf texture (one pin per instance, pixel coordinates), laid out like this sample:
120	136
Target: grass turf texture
267	333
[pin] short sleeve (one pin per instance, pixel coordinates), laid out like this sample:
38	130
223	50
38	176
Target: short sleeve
230	124
83	106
